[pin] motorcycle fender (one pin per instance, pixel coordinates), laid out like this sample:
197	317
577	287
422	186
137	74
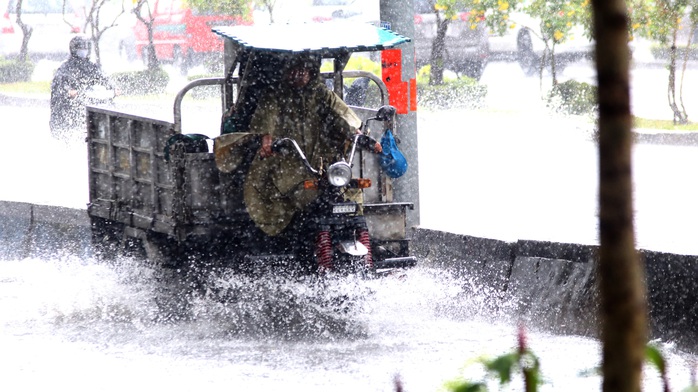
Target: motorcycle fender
352	247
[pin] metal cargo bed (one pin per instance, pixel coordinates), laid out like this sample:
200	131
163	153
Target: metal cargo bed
132	183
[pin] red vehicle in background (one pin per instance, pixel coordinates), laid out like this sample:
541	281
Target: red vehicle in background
183	35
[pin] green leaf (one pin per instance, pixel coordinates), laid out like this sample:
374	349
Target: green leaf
655	357
503	366
469	387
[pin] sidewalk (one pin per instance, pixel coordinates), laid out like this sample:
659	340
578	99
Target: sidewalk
24	99
658	136
159	107
162	109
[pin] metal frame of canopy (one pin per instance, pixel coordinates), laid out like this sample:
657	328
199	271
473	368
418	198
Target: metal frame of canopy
336	40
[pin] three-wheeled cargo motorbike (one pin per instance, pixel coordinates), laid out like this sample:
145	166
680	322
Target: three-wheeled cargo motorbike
179	197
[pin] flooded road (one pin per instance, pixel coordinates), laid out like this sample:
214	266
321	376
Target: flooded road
510	170
77	324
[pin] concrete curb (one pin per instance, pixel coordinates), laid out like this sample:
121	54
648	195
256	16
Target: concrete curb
553	285
29	230
654	136
24	100
550	285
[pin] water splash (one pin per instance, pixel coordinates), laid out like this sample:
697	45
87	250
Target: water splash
126	321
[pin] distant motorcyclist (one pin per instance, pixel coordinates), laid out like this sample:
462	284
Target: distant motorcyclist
302	108
72	80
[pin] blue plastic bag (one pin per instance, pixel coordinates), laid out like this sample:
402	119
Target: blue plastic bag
392	162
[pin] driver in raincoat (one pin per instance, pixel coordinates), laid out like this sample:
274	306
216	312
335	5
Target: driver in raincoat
301	107
74	77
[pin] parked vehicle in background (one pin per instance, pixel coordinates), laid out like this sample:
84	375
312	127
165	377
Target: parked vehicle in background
523	43
183	35
466	47
326	10
51	31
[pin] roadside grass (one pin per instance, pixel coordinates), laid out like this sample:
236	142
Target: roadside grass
44	87
27	87
667	125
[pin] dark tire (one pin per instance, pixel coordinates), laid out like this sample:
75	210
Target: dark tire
109	241
127	50
179	60
529	62
145	53
560	66
328	255
160	250
473	69
213	62
106	238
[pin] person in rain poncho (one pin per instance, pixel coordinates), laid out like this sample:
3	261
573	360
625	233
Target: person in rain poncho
72	79
301	107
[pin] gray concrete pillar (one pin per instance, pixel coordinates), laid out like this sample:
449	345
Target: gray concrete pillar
398	16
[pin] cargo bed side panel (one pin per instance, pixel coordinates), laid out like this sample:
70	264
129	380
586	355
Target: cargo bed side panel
130	180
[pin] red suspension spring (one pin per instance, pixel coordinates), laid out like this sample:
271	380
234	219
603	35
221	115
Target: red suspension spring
323	250
365	239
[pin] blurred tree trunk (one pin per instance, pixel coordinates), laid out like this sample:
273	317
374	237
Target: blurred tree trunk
623	305
686	57
680	116
26	33
553	68
151	57
94	24
269	6
438	47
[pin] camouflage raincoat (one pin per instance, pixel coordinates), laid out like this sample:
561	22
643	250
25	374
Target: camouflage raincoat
321	123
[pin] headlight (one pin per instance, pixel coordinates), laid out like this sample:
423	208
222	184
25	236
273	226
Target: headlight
339	174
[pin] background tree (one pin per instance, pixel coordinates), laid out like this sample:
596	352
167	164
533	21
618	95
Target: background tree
445	11
93	22
95	26
26	33
693	27
230	7
493	12
144	13
623	304
557	19
269	6
660	20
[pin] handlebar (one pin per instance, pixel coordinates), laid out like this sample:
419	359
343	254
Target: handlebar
366	142
280	146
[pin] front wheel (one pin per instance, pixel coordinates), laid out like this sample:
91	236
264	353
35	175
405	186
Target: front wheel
163	251
106	237
181	60
473	69
145	55
127	50
331	259
110	241
529	62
